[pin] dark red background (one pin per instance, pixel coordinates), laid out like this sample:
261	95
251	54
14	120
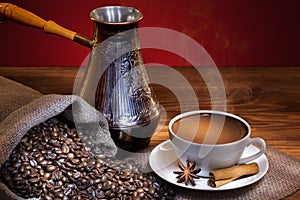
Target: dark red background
234	32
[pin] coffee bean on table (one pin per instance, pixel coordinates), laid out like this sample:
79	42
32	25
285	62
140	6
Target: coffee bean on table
54	161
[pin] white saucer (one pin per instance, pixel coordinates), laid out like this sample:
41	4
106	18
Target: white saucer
163	162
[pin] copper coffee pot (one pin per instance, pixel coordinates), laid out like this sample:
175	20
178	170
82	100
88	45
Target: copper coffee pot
115	82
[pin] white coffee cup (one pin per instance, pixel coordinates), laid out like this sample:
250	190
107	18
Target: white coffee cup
211	156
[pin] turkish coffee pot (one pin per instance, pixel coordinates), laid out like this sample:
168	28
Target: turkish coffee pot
115	82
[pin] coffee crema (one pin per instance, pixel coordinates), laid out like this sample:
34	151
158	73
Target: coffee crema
207	128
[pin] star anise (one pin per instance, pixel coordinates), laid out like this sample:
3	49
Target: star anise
187	173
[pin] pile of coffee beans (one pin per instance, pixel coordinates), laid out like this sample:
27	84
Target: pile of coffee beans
52	162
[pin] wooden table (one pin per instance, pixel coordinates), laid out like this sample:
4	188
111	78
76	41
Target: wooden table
267	97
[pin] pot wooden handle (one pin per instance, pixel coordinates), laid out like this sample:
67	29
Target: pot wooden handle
14	13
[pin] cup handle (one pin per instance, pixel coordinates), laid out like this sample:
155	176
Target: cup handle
262	150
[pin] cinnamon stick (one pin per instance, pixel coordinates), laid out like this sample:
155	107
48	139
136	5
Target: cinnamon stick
222	176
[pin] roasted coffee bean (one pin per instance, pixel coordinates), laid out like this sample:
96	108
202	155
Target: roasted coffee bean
50	168
65	149
40	159
70	155
156	185
46	176
75	161
138	183
33	163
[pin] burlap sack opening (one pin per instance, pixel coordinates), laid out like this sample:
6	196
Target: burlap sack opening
21	108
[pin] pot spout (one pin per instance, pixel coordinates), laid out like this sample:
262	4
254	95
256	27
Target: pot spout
14	13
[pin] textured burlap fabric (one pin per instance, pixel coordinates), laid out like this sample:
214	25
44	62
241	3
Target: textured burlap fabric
21	108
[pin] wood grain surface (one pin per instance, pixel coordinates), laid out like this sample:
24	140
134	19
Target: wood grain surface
267	97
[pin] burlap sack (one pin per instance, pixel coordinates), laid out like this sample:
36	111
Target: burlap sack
21	108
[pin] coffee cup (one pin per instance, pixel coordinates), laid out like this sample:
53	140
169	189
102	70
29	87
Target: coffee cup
213	139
